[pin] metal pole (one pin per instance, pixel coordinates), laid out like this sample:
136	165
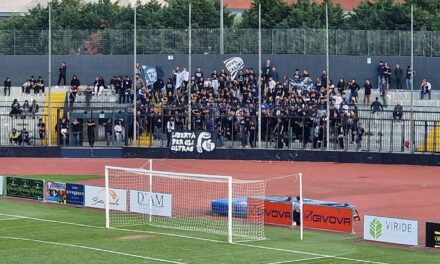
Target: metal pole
49	82
134	77
328	76
259	76
189	66
411	136
222	51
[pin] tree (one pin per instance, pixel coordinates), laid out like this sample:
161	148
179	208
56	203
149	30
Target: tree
273	12
307	14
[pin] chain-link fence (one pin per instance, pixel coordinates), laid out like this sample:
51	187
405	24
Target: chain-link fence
241	41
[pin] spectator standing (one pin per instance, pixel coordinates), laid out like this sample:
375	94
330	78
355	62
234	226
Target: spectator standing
118	133
41	131
425	88
380	73
108	128
7	86
63	127
398	73
24	137
341	85
34	108
376	107
91	131
410	73
170	129
387	73
397	112
359	135
76	132
127	86
367	91
62	71
354	88
384	87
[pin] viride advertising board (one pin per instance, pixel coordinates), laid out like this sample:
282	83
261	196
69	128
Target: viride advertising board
391	230
24	188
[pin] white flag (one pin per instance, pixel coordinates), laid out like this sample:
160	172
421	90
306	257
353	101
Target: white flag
181	77
234	65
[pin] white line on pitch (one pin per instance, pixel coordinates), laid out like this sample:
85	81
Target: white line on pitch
90	248
12	218
203	239
296	260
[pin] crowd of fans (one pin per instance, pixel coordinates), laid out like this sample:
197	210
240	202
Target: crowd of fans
227	107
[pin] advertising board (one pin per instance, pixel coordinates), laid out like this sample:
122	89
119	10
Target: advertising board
328	218
24	188
145	202
95	197
75	194
2	186
56	192
391	230
432	235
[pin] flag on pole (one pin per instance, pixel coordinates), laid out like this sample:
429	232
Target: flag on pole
234	65
181	77
150	74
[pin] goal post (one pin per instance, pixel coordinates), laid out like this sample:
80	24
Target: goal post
196	202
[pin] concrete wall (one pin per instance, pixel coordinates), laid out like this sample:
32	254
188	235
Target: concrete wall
87	67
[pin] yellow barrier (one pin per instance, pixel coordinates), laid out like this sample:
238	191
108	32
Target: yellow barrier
432	142
57	102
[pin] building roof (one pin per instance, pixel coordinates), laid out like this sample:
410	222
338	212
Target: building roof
347	5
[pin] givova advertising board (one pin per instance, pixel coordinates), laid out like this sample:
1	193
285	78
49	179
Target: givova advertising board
24	188
56	192
95	197
391	230
2	186
155	203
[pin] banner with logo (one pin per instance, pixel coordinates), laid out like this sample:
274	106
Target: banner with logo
432	235
274	213
234	65
2	186
150	74
75	194
95	197
391	230
56	192
24	188
192	142
328	218
145	202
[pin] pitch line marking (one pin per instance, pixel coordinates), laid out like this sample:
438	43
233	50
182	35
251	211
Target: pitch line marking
11	218
196	238
90	248
296	260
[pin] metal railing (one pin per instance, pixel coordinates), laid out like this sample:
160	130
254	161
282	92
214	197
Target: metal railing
242	41
383	133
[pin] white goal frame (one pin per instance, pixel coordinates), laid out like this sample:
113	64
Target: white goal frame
164	173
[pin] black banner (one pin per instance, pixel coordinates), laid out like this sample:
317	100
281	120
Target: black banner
198	142
433	235
24	188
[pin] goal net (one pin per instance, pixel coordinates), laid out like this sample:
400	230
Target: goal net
195	202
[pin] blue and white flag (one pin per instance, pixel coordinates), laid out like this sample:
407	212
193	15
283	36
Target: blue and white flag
234	65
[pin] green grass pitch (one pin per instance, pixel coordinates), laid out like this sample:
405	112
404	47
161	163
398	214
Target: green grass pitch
34	232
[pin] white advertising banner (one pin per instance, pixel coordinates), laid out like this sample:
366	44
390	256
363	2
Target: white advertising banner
391	230
2	185
95	197
161	203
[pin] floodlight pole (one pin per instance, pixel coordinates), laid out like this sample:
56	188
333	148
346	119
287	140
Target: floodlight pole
189	66
328	77
259	76
134	77
49	81
222	51
411	136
